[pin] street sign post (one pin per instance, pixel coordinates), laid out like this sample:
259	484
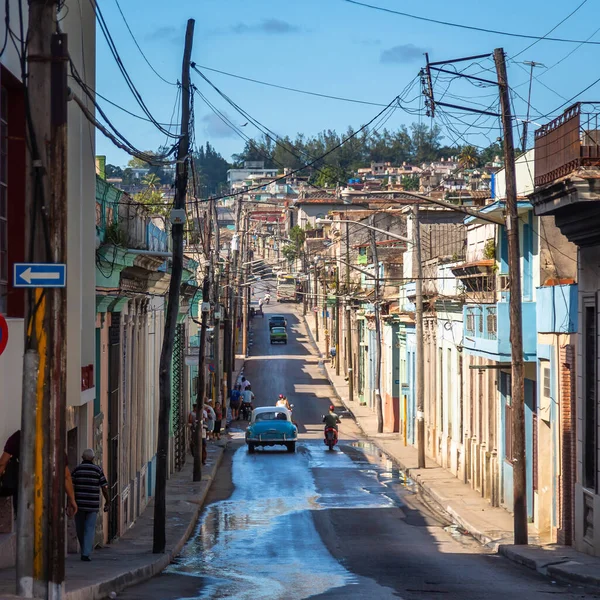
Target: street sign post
39	275
3	334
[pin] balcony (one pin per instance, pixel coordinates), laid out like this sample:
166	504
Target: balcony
567	143
487	330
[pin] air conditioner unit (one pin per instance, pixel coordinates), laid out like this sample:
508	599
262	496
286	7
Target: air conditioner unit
503	283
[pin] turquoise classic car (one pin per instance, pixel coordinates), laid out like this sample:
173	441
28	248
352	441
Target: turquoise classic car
271	426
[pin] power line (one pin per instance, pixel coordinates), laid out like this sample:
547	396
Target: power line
289	89
553	29
113	49
141	51
471	27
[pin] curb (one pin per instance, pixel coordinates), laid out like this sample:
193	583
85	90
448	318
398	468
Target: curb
324	366
431	495
99	591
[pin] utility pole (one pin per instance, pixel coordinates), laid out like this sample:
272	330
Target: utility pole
233	291
532	66
245	267
420	366
166	355
41	510
217	314
316	303
516	333
337	319
201	384
378	400
349	359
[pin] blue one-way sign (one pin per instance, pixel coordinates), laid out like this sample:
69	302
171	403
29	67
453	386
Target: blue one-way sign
39	275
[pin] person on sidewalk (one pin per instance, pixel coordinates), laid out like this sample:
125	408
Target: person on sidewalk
204	439
210	423
9	469
88	481
235	401
218	420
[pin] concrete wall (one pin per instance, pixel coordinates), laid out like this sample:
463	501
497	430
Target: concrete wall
11	374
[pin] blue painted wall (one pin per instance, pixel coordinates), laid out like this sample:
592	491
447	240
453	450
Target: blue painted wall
557	309
411	352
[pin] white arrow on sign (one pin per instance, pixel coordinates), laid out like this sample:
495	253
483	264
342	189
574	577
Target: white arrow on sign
28	276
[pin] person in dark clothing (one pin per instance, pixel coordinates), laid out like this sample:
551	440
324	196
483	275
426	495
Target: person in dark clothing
331	419
9	467
88	481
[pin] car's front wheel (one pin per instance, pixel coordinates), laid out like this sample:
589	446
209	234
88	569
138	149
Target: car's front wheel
250	448
291	446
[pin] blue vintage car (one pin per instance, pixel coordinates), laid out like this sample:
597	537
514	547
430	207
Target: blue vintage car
271	426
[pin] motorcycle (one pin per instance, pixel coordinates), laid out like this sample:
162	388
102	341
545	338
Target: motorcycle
331	437
267	299
246	410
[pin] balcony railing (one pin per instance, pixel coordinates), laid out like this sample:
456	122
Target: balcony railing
570	141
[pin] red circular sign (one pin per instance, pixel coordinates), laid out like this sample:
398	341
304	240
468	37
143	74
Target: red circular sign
3	334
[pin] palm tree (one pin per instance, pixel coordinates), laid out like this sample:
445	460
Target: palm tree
468	157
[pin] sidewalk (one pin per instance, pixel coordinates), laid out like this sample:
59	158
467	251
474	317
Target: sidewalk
130	560
492	526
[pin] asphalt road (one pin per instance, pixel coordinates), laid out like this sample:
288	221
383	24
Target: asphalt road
320	524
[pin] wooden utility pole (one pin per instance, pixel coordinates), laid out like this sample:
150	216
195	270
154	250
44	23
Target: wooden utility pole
217	296
349	359
172	310
234	289
516	332
316	303
378	399
244	287
337	319
420	358
201	384
41	515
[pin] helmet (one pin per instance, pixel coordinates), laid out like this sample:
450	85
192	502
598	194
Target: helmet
281	395
331	407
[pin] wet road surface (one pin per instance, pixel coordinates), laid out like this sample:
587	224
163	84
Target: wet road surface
320	524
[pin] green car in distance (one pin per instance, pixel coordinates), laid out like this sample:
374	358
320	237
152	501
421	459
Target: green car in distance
278	334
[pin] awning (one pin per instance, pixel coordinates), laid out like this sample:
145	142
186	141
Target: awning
497	209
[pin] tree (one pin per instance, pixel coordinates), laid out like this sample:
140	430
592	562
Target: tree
211	170
329	176
411	183
490	153
468	157
151	195
113	172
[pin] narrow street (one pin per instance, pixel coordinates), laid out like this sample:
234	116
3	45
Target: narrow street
320	524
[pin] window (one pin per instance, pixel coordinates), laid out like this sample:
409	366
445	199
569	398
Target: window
491	323
3	199
590	414
547	384
470	321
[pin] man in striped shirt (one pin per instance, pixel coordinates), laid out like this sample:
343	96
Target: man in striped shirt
88	481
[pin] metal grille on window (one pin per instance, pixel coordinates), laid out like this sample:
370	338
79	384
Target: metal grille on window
178	409
3	199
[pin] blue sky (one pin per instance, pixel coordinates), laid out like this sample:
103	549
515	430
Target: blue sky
333	47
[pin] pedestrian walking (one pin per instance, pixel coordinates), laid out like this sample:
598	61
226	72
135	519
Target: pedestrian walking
204	440
9	474
88	481
218	419
210	422
235	401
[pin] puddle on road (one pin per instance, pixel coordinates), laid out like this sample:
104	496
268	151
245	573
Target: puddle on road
262	541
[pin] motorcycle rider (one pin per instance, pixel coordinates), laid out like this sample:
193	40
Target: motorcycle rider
331	419
267	298
283	401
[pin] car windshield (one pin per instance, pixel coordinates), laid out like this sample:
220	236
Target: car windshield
271	416
278	330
